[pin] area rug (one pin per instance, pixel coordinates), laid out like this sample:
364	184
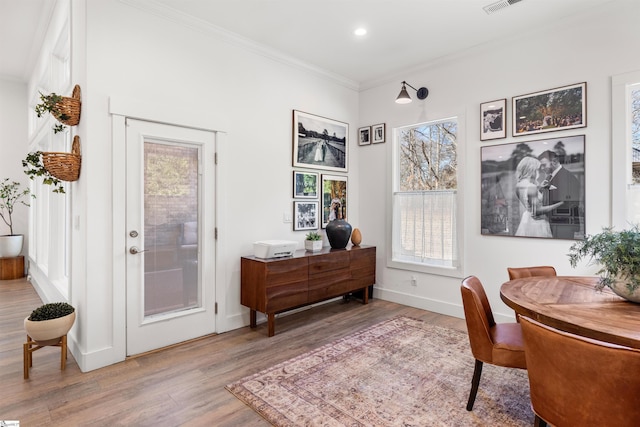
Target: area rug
400	372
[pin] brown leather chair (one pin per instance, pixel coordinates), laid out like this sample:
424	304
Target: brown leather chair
518	273
498	344
577	381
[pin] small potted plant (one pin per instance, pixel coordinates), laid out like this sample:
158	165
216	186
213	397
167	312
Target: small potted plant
66	110
618	254
11	194
34	167
313	242
49	322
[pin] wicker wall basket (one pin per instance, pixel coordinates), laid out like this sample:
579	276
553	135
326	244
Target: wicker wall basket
69	108
64	166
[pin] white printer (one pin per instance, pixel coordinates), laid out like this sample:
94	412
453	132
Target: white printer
274	248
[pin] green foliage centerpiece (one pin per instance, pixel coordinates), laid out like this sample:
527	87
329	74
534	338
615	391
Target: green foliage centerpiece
618	254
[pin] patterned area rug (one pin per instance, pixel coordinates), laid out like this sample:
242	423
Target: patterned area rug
400	372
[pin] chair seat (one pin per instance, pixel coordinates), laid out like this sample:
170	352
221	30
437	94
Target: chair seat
507	345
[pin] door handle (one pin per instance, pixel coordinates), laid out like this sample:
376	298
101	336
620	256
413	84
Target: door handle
134	250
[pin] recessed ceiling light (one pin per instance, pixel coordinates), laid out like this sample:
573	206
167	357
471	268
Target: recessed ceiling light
360	32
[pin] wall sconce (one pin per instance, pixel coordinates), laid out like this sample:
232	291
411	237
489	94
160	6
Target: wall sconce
404	98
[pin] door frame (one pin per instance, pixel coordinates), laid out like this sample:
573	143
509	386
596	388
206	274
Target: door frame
121	108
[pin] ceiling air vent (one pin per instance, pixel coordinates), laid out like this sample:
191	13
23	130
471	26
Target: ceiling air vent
494	7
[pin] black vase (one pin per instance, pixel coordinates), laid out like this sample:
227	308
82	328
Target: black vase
338	233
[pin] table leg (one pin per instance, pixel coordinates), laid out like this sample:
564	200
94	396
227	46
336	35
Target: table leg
252	318
271	318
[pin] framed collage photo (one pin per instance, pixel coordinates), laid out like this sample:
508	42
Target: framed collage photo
364	135
305	214
305	185
550	110
319	142
534	188
493	120
378	133
334	198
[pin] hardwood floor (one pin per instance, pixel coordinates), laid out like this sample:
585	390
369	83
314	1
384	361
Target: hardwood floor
182	385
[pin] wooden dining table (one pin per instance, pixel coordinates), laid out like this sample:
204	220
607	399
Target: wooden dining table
572	304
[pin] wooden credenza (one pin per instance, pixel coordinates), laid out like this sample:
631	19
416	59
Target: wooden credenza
274	285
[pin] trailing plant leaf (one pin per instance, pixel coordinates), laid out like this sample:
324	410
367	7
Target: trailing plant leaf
35	168
50	311
49	104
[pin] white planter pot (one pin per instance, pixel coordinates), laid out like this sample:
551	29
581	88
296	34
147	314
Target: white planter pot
11	246
619	287
313	245
45	331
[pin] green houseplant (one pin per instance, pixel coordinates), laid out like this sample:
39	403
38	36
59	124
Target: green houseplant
313	241
618	254
49	322
11	194
34	167
65	109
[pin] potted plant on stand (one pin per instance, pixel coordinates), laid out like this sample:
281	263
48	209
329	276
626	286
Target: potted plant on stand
11	194
47	323
313	242
618	254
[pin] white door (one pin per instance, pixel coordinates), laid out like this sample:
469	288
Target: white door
170	235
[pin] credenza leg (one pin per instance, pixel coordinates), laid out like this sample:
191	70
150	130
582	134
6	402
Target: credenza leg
365	299
252	318
271	318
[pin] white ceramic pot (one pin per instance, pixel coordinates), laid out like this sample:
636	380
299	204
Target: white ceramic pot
49	331
619	287
11	246
313	245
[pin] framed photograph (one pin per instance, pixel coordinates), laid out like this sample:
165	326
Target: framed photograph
550	110
534	189
364	135
493	120
320	143
305	215
378	132
305	185
334	198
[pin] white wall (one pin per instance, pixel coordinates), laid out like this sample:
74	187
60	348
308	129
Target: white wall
590	48
13	146
187	75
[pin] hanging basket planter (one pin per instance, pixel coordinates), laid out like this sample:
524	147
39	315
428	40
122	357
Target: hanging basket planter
68	109
64	166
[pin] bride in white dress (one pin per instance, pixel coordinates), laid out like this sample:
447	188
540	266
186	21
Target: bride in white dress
319	157
534	222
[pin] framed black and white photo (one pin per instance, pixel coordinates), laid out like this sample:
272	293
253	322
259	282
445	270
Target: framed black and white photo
305	215
493	120
378	133
550	110
534	188
364	135
305	185
334	198
319	142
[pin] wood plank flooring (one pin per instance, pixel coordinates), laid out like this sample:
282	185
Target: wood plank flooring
182	385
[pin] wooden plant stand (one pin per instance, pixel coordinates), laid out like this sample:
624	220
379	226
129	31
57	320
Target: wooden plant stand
12	268
30	346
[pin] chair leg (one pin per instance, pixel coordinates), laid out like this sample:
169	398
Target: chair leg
475	382
539	422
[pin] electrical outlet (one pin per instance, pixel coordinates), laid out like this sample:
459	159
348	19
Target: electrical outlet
414	281
286	217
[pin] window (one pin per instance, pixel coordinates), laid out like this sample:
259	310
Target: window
626	149
425	195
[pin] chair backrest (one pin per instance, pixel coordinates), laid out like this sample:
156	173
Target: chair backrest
520	272
576	381
479	318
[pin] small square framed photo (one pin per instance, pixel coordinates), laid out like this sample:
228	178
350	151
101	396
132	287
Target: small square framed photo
305	185
493	124
364	135
305	215
377	133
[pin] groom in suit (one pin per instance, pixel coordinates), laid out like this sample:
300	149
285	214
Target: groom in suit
562	186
